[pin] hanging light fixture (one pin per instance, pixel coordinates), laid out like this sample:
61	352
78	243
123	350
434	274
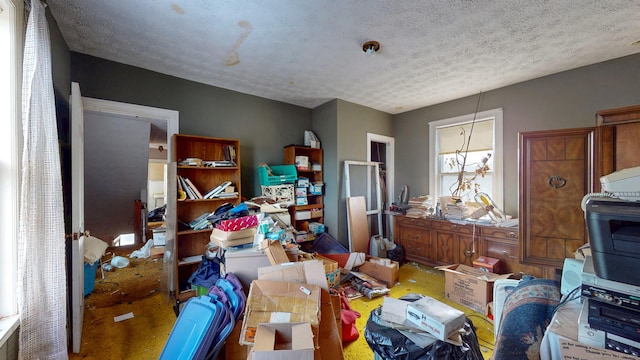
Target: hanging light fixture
371	47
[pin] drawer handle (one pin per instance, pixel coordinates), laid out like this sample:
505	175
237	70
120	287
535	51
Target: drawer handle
468	253
512	234
557	182
455	227
416	237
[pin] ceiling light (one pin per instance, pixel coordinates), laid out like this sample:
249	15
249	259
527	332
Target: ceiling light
371	47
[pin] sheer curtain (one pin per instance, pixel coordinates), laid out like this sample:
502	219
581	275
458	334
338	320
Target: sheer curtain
41	246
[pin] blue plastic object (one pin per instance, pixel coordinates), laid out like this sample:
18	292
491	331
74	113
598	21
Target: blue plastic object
90	277
195	329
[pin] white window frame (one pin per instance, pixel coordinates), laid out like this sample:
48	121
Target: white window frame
11	45
434	179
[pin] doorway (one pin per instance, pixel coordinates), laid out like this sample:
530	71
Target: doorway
381	149
125	145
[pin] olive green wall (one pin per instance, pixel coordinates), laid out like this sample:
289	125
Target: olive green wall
564	100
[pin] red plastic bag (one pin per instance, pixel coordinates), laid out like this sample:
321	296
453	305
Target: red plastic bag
349	316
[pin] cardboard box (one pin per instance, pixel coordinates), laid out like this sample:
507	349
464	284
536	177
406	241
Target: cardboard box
276	301
232	348
386	274
283	341
469	287
303	215
275	252
157	252
227	239
305	272
439	319
244	263
489	264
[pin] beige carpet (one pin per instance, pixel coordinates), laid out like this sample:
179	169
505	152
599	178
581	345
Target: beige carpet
144	335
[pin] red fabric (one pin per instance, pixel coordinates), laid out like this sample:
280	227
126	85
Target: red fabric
238	224
349	316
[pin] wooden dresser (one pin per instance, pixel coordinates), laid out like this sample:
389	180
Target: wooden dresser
434	242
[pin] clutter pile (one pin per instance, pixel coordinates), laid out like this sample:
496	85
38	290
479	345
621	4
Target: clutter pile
420	327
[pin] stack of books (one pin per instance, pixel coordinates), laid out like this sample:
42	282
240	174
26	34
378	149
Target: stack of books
420	206
457	211
201	222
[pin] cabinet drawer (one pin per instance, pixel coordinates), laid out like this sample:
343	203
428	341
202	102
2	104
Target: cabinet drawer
402	220
416	248
500	233
449	226
501	250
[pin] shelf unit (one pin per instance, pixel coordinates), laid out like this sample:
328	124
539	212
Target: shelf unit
315	202
191	244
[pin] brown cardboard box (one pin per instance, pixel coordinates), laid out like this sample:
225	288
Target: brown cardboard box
226	239
386	274
276	301
156	252
275	252
306	272
283	341
232	348
330	332
469	287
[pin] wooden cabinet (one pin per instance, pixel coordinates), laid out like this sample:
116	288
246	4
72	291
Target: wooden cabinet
415	236
555	173
617	146
315	203
191	244
454	243
435	242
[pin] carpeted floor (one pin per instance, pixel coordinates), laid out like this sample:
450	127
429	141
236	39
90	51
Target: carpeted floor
136	289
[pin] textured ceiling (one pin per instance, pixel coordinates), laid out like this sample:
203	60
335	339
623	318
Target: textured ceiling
308	52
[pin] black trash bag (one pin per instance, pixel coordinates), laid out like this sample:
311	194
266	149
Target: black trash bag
207	274
157	214
390	344
396	254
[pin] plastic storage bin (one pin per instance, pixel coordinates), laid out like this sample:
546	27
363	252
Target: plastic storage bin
90	272
282	174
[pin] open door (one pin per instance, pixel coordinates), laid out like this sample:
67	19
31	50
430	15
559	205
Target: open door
77	216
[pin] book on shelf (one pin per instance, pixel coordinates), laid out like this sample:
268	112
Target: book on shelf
229	153
189	189
194	188
218	163
217	190
201	222
189	193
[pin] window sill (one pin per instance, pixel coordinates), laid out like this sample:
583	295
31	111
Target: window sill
8	326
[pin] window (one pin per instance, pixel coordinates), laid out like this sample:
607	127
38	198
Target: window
448	136
11	27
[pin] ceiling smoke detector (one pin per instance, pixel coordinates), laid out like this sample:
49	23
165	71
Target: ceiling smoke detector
371	47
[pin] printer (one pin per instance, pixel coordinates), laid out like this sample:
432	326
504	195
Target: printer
613	226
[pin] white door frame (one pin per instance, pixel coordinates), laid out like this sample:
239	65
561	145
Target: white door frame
390	170
172	119
80	105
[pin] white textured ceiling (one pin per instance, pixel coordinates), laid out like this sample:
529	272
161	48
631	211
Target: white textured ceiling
308	52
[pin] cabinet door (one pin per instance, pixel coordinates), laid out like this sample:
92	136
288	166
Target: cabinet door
415	236
446	246
555	173
468	249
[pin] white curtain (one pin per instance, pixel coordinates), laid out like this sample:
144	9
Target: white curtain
41	246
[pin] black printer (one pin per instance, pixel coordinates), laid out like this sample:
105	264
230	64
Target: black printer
613	226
